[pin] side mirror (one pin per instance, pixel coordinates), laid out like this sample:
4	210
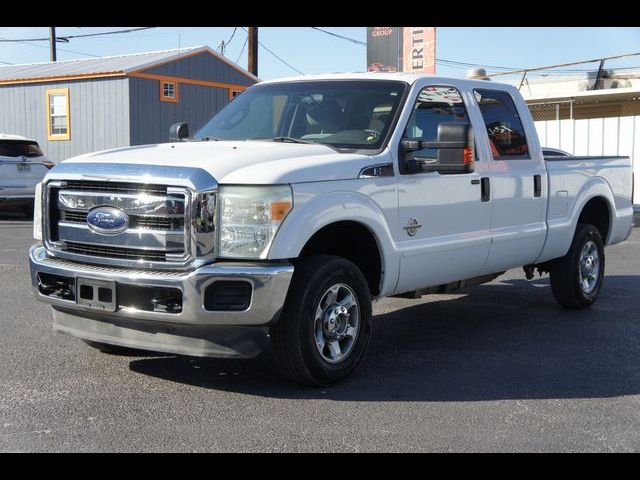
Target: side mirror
455	151
178	131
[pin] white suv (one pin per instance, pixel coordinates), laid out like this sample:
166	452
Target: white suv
22	166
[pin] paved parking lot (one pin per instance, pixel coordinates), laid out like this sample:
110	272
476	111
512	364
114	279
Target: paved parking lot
497	368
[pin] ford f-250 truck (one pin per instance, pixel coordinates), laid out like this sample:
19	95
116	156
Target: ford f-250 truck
304	200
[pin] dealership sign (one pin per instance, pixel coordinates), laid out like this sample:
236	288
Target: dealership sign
404	49
383	49
419	50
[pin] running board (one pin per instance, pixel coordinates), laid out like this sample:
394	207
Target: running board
449	287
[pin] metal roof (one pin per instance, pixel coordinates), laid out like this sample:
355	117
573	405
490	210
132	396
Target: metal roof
122	64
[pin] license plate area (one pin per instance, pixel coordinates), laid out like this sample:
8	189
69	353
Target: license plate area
98	294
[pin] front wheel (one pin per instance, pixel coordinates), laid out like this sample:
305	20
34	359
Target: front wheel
576	278
325	326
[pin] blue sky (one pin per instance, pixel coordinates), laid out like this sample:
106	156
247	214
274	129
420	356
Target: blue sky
312	51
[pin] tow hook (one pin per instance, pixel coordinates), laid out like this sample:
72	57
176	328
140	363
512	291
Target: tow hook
166	304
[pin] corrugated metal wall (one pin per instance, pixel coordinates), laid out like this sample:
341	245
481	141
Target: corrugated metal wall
596	136
99	115
151	118
117	112
203	67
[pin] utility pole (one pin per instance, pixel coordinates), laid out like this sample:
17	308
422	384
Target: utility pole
253	50
52	42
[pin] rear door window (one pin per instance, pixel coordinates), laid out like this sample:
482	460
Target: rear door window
503	123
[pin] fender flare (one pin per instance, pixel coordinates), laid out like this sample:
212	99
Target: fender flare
595	187
323	210
560	232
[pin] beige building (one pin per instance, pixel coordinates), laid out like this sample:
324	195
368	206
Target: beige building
575	96
572	115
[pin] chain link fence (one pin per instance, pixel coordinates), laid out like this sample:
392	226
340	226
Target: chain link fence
559	110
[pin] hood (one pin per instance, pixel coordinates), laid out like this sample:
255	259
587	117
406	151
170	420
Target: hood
242	162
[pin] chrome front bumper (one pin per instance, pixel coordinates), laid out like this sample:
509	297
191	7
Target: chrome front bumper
192	331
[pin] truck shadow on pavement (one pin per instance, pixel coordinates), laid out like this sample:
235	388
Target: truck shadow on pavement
12	213
506	340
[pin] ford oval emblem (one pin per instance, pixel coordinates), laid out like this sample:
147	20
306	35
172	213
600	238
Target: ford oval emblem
107	220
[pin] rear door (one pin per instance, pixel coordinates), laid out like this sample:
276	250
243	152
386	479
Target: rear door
518	182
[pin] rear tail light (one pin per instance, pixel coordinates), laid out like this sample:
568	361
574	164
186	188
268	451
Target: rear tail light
467	155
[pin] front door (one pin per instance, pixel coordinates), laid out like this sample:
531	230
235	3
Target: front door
444	233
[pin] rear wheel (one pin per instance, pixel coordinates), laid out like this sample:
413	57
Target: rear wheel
576	278
325	327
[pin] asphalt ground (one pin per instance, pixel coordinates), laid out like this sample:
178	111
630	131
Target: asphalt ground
498	367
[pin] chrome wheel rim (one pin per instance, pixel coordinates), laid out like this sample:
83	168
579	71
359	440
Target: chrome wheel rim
589	267
336	323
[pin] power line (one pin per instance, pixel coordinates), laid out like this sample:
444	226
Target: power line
223	45
349	39
458	64
243	47
4	40
438	60
61	49
548	67
274	54
231	37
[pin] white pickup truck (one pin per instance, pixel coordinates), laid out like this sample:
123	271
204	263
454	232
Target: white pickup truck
304	200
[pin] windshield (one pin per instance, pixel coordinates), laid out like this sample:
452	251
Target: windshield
19	148
343	114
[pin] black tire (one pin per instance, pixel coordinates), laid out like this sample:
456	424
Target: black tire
293	336
565	272
115	349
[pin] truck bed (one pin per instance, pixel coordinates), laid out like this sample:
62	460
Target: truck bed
574	179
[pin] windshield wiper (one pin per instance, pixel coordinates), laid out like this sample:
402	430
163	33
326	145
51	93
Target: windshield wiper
295	140
209	139
289	140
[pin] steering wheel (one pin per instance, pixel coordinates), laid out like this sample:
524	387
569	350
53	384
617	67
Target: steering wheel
373	135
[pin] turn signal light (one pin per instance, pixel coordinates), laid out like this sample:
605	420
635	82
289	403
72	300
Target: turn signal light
279	210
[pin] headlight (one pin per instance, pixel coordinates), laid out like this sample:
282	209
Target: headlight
250	217
37	213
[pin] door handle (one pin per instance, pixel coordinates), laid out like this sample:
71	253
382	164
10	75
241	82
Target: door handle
537	185
485	189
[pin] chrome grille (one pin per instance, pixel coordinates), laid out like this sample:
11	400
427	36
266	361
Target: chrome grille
135	221
156	231
116	252
115	187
